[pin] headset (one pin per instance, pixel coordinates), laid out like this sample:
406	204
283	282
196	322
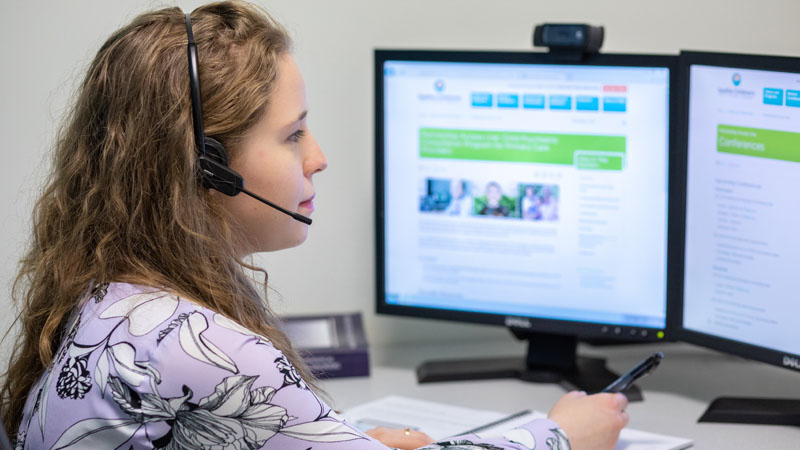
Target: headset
212	161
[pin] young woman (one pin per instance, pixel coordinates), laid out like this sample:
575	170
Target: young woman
140	326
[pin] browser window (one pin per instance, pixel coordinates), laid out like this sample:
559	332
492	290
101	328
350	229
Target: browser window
533	190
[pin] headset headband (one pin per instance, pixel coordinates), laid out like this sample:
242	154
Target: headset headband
194	87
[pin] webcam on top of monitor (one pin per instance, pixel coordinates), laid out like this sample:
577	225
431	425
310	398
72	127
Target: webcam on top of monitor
571	41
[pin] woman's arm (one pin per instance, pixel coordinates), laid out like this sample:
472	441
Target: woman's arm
161	372
245	392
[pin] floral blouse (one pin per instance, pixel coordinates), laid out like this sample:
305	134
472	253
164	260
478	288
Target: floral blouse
141	368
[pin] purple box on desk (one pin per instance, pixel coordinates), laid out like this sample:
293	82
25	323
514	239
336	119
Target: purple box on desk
332	346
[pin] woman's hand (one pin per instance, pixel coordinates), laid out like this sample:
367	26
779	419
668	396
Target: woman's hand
402	439
591	422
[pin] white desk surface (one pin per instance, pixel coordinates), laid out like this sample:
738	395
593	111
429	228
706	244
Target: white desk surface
675	395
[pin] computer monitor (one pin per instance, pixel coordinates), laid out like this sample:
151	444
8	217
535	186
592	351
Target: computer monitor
742	253
519	190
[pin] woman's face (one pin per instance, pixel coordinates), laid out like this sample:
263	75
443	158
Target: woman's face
493	195
277	160
456	188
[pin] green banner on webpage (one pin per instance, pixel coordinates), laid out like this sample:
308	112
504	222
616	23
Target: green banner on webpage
512	146
772	144
593	161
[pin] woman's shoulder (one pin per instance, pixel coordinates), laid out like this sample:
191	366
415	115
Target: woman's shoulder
137	355
158	320
174	337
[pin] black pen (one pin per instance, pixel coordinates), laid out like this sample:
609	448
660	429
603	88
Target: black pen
643	368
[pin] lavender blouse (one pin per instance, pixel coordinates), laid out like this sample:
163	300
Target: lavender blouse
142	368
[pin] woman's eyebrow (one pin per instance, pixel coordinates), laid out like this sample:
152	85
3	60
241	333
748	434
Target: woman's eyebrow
299	118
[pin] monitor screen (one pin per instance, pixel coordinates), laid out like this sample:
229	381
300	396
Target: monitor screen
742	207
511	189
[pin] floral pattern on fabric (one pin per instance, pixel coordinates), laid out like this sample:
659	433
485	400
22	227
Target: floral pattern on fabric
98	293
74	380
290	375
558	441
140	368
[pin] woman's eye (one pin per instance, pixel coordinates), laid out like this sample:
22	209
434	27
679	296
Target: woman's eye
297	135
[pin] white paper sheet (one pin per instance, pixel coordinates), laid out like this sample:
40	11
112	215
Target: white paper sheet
441	421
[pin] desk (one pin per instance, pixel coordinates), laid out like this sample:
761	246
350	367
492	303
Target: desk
675	395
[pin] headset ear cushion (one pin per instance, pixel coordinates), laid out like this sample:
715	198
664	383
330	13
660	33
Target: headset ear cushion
215	171
216	151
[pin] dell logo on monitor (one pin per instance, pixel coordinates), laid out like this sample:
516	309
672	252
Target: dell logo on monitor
517	322
794	363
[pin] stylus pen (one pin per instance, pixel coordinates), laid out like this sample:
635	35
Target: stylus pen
643	368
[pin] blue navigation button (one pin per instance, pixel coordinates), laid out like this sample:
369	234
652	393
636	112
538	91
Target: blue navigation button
482	99
533	101
587	103
793	98
507	100
615	104
560	102
773	96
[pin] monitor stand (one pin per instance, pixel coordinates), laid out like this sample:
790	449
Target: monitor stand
551	358
765	411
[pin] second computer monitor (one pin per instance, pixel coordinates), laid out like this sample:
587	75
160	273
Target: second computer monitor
742	208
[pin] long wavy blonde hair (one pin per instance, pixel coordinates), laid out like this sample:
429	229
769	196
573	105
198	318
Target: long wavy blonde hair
123	202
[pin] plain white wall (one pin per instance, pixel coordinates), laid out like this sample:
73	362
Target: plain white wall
45	47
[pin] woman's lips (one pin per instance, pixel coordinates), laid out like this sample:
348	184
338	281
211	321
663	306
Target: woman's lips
308	204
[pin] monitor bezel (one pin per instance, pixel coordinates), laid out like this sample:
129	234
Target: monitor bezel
732	61
544	325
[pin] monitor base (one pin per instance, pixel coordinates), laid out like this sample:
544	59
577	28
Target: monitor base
764	411
550	359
